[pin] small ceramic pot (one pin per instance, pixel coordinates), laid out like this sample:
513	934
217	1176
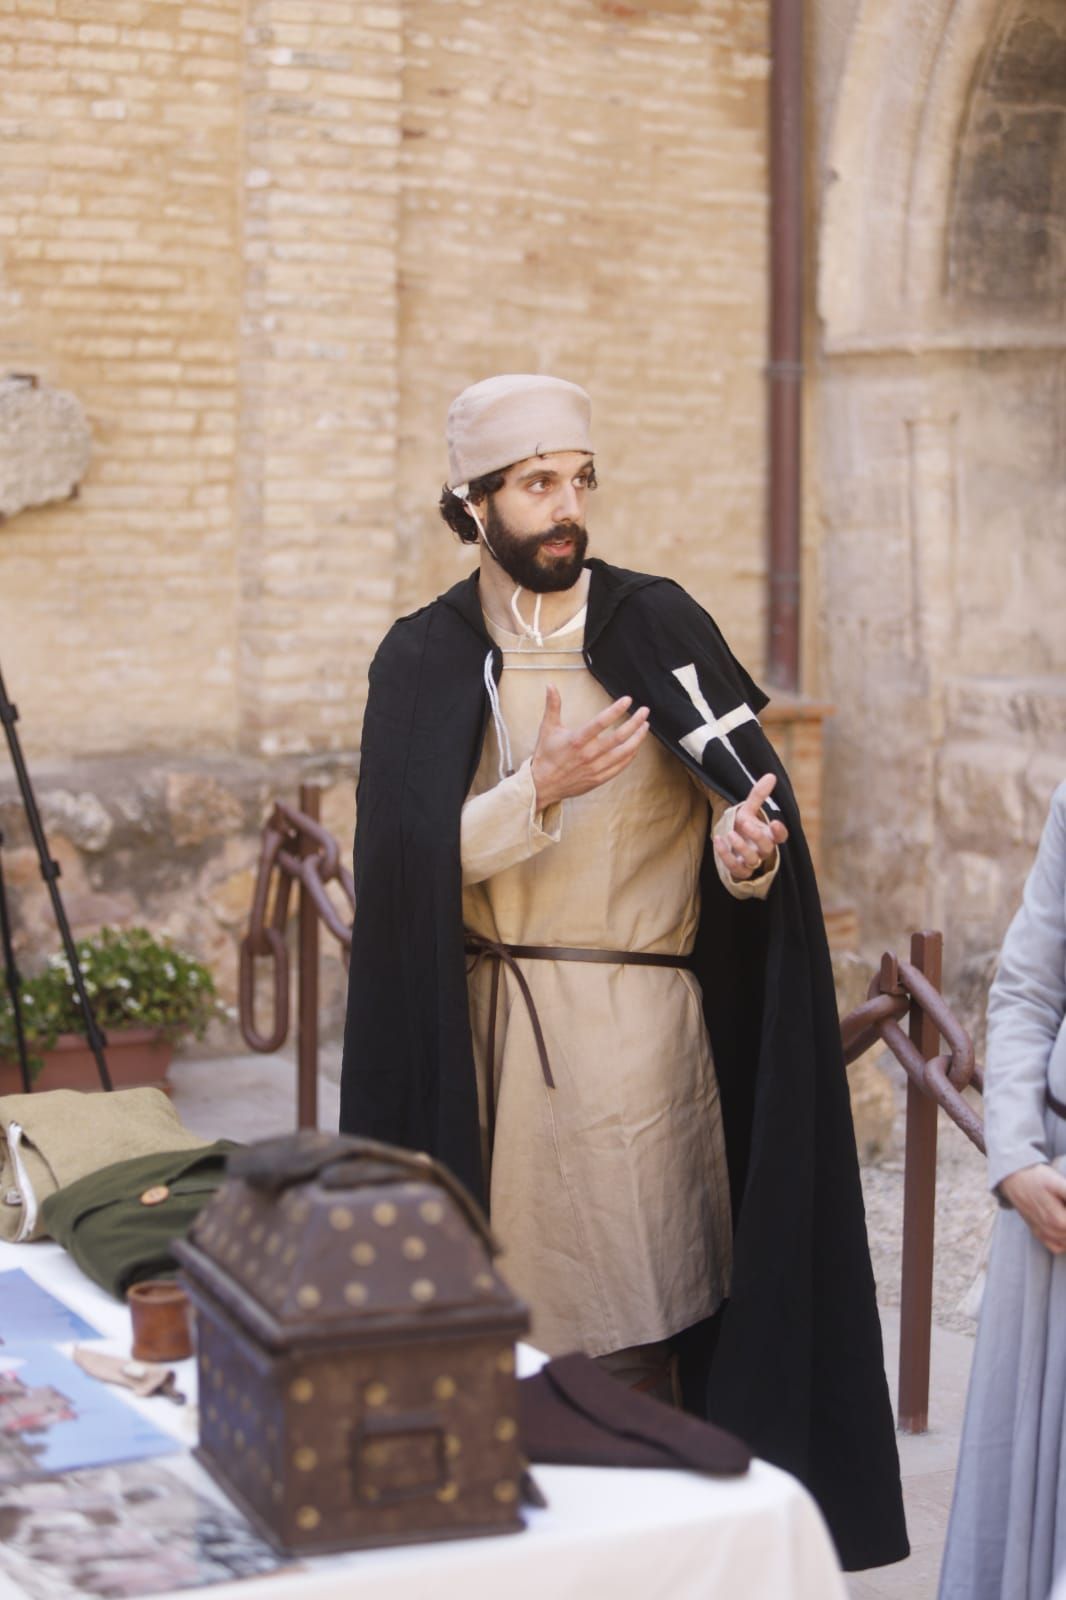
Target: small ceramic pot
162	1321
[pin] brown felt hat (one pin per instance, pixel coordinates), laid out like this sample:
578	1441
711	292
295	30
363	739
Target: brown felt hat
509	418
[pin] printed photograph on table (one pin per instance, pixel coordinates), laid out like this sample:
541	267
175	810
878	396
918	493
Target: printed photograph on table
29	1314
121	1531
54	1418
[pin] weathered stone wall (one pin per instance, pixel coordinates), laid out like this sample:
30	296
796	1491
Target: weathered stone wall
263	243
173	844
936	452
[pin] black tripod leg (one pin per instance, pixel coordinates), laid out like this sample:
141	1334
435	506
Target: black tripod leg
13	980
50	874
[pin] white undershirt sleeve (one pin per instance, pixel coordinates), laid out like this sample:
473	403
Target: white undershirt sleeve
503	826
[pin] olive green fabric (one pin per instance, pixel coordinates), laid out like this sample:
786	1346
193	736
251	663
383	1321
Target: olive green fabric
56	1136
114	1236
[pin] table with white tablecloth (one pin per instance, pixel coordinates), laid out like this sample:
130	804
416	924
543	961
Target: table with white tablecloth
644	1534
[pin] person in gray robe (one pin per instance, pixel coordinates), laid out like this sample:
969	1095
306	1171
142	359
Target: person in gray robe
1007	1531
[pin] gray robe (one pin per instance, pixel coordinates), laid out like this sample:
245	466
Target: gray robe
1007	1532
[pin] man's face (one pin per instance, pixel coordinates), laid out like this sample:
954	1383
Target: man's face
536	522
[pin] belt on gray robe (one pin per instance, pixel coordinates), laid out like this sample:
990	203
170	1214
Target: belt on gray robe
508	955
1055	1105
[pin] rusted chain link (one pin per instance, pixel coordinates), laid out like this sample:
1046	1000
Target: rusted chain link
288	832
893	991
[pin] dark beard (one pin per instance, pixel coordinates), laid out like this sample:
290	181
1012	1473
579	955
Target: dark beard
519	554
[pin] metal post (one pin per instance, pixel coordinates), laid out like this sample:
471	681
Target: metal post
307	994
919	1208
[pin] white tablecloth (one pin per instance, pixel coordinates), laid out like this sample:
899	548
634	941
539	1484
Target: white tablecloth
641	1534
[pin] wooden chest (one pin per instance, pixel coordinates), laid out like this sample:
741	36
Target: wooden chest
355	1348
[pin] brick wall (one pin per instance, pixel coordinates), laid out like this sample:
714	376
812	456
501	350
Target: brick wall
584	192
318	366
264	242
121	280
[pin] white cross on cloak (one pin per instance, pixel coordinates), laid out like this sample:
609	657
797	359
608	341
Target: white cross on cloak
696	742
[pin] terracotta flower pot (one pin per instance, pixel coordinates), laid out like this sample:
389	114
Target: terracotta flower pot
134	1056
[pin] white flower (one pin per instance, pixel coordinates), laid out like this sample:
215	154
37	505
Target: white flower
170	972
123	983
28	1000
57	963
90	987
133	1005
194	980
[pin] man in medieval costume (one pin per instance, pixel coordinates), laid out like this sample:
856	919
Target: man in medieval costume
589	972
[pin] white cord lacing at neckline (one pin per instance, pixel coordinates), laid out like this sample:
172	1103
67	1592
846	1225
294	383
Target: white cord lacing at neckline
503	738
531	631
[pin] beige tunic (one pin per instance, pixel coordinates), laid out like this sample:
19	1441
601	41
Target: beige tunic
609	1192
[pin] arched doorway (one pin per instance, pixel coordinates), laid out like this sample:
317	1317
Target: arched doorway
939	424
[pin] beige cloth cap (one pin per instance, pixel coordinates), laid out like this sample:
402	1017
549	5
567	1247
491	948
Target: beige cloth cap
506	419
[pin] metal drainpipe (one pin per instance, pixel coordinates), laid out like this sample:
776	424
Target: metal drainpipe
785	369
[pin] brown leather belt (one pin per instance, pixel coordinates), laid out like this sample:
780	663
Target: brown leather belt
1055	1105
508	955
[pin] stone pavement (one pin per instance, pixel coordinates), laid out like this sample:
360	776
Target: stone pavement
250	1097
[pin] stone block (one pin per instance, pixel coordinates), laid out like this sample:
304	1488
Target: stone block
45	442
981	795
230	901
80	817
200	808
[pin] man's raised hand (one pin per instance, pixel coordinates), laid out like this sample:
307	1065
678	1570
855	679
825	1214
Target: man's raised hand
568	762
751	841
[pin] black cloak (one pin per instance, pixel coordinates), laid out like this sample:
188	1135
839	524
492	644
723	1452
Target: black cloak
794	1363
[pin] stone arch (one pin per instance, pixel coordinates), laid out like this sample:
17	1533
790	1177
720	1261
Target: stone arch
1006	243
938	424
907	126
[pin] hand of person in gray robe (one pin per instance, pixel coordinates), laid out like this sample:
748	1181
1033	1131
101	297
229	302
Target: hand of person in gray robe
1038	1194
568	762
751	842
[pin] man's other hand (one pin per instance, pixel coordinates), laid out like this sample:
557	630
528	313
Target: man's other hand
1038	1194
751	841
567	762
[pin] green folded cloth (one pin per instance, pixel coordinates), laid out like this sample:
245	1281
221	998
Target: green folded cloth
120	1223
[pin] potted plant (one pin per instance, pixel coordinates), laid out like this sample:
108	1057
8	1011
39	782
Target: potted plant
144	995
